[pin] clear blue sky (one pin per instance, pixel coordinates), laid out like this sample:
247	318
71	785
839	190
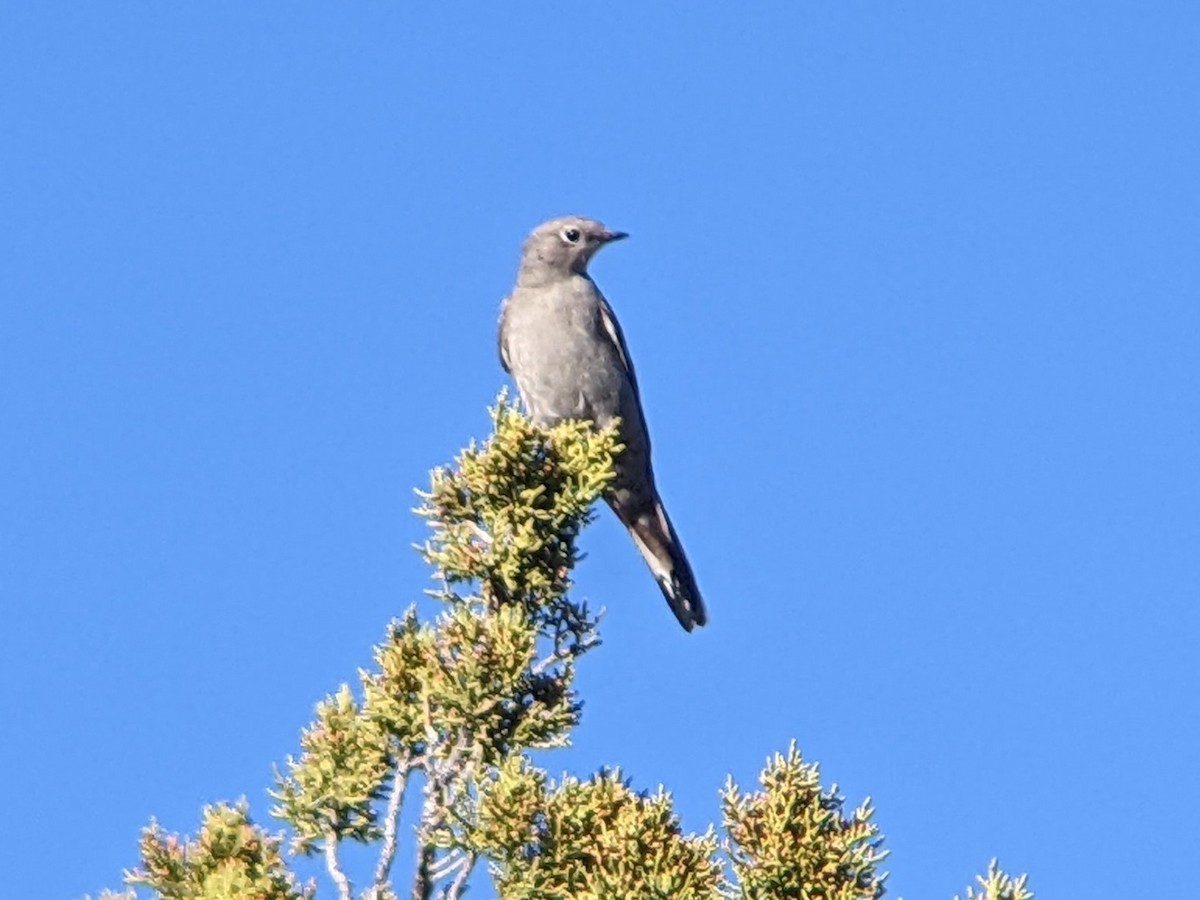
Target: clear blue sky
914	296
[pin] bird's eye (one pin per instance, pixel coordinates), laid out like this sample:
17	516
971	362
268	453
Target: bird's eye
571	234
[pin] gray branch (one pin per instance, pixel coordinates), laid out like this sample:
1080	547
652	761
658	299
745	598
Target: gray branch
423	879
391	824
431	815
335	869
444	779
455	890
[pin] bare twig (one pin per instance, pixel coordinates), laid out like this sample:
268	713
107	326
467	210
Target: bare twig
444	780
431	815
422	878
459	884
556	656
446	864
391	824
543	664
335	869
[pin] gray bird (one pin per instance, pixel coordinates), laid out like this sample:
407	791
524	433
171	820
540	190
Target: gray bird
561	343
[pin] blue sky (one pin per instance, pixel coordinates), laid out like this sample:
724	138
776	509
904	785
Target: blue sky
913	296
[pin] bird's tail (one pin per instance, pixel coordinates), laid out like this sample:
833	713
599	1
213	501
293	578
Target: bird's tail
660	547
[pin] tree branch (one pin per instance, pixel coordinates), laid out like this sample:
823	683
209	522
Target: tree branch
443	781
387	855
335	869
459	884
423	878
431	816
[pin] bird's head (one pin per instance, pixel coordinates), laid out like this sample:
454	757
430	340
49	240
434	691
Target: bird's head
564	246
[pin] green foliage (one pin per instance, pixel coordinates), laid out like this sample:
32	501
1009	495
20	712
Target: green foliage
792	839
331	791
453	706
997	885
508	515
231	859
589	839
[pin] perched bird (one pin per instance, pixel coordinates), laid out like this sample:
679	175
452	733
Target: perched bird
561	343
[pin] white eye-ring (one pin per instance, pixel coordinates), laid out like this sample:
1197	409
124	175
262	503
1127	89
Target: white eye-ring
571	235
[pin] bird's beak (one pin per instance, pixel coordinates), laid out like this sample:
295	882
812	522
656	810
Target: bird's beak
607	237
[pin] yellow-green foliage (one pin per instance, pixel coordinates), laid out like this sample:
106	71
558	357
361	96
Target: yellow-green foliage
492	674
508	514
996	885
452	706
332	788
589	839
792	838
231	859
474	675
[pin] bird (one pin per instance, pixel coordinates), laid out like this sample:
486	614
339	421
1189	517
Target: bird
561	343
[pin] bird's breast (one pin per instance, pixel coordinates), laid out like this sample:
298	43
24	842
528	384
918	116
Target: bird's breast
563	363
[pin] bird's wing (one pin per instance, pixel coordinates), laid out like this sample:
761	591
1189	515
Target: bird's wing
633	417
612	329
501	344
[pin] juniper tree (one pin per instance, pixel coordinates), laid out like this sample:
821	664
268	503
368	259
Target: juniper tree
450	709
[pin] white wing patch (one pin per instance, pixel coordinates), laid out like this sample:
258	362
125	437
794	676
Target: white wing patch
611	328
501	345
